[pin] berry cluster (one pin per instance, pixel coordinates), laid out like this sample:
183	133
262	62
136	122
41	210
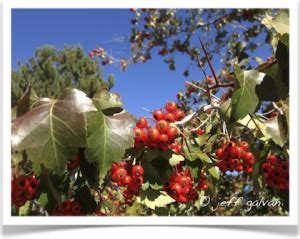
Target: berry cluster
67	208
202	185
180	187
131	177
74	162
23	189
163	135
235	156
276	172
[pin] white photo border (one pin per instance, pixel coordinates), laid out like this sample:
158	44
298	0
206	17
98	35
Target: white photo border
8	5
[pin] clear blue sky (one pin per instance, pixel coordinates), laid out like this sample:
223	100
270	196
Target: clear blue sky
148	85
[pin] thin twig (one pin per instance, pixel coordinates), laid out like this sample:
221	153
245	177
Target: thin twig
209	62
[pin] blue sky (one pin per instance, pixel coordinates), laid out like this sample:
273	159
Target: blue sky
148	85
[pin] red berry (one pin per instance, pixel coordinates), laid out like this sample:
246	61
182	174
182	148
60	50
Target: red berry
170	117
138	133
152	134
139	181
266	167
176	189
171	106
142	123
200	131
163	138
120	174
249	170
162	126
219	152
179	115
173	133
137	170
247	156
22	183
272	159
244	145
66	206
127	180
158	115
182	199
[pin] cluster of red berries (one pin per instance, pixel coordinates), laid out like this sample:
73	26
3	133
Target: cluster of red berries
276	172
74	162
235	156
202	184
131	177
180	187
23	189
67	208
163	135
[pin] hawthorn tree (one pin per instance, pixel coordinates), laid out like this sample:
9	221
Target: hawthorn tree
225	137
51	70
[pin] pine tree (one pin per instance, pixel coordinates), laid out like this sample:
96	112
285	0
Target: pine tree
51	70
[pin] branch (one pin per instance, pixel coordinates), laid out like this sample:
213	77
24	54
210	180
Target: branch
209	63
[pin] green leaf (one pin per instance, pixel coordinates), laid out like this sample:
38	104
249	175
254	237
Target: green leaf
43	199
52	132
276	129
156	166
201	140
23	105
204	157
24	209
175	159
108	102
210	142
245	100
273	88
215	172
280	23
107	138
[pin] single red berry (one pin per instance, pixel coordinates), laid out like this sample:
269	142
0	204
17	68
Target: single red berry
22	183
171	106
219	153
152	134
137	170
158	115
170	117
172	133
231	144
139	181
244	145
163	138
182	199
66	206
162	126
204	186
266	167
142	123
249	170
127	180
120	174
200	131
272	159
247	156
176	189
179	115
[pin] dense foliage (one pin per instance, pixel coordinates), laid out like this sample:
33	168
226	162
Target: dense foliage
225	139
51	70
